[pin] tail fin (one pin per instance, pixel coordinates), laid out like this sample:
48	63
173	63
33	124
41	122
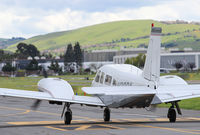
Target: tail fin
152	64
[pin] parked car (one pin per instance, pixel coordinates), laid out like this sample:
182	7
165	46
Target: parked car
164	70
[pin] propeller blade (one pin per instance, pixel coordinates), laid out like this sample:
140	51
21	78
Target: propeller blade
152	108
35	104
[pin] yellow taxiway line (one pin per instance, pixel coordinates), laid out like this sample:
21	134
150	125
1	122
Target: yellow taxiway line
60	129
20	113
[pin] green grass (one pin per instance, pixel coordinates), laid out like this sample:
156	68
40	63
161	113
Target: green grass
106	32
192	104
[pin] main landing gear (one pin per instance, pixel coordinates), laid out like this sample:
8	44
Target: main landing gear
172	112
68	114
106	115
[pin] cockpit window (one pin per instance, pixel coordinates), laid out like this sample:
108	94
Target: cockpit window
97	76
108	80
102	77
114	82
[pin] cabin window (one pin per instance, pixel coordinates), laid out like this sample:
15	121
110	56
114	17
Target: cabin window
114	82
102	77
97	76
108	80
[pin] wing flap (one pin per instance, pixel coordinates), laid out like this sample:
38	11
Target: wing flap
46	96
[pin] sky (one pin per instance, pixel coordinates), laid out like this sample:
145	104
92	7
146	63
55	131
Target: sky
27	18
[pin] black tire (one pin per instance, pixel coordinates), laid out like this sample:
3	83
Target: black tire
68	117
172	115
106	115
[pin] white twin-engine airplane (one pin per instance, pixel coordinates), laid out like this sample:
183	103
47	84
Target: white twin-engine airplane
118	86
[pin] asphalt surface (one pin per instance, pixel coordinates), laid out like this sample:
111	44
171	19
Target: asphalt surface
16	118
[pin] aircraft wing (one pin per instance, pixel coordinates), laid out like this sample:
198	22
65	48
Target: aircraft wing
119	90
176	92
47	96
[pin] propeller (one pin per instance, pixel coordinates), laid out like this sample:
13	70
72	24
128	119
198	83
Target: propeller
37	102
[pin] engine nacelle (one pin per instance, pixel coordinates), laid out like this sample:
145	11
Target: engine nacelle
56	87
171	80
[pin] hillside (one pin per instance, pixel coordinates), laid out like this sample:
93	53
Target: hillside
4	43
131	33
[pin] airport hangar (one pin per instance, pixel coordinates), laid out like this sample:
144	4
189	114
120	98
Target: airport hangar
168	58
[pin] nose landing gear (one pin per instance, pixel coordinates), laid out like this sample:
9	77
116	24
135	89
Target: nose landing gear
106	115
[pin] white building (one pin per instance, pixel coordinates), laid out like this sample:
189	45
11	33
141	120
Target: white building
168	59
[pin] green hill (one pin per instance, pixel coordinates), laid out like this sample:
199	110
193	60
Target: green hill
4	43
131	33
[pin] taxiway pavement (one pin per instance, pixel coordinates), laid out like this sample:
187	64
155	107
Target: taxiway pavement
16	118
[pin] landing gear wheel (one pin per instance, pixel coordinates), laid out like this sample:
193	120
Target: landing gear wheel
171	115
68	117
106	115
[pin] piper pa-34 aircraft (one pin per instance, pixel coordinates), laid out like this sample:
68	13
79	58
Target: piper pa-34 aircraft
118	86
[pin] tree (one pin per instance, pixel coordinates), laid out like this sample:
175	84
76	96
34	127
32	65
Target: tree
61	56
1	55
33	65
129	61
55	67
32	51
8	68
69	56
138	61
178	65
49	56
191	65
94	67
1	52
78	55
24	50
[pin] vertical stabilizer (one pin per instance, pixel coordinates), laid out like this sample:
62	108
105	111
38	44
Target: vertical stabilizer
152	64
